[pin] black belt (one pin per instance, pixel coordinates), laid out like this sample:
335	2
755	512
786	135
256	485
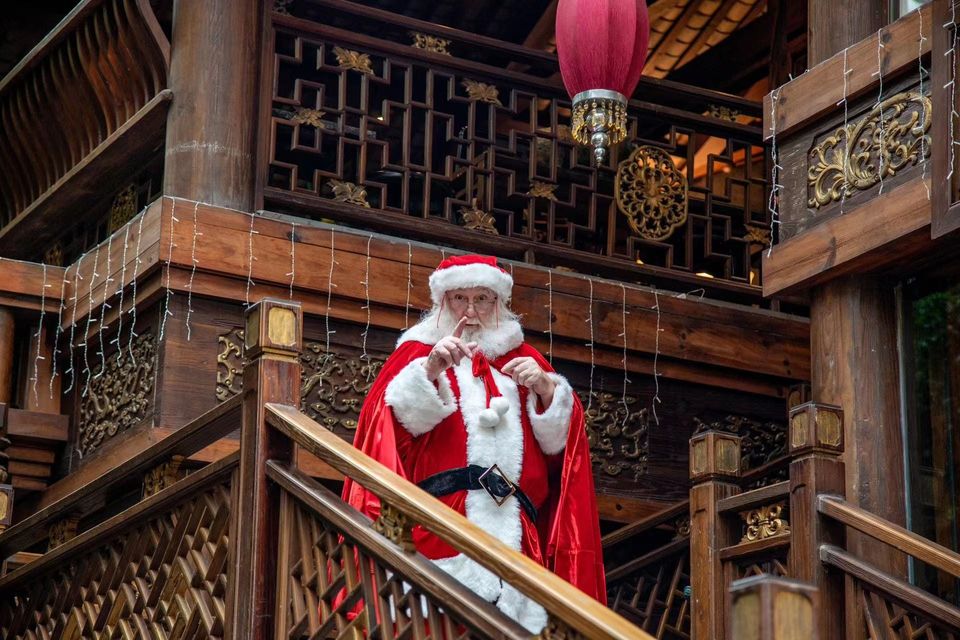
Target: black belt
471	477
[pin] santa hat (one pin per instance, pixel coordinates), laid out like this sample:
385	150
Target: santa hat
461	272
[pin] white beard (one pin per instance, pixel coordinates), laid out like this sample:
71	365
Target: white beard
493	341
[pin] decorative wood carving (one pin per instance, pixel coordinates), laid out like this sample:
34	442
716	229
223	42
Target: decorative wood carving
350	193
482	92
118	397
311	117
124	207
430	43
333	386
62	531
651	193
167	579
353	60
394	525
558	630
762	441
54	255
722	112
542	190
886	140
764	522
162	476
477	219
618	434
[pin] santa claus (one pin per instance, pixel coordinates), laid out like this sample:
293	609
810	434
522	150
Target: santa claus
476	417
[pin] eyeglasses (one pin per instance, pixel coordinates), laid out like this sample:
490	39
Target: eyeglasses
481	302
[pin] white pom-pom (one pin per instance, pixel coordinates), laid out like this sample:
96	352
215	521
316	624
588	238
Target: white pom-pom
500	404
488	418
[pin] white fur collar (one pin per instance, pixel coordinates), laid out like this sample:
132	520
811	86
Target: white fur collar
493	342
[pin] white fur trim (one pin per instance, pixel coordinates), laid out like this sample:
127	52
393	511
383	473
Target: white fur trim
552	426
522	609
481	581
470	275
493	342
417	403
488	418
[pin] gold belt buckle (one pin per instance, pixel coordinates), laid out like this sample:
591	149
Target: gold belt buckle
494	469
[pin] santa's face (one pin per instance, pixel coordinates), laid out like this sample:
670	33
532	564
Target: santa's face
476	304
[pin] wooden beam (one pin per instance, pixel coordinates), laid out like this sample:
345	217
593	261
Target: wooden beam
21	285
818	91
841	245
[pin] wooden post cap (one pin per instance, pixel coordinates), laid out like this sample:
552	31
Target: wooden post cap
273	327
714	455
816	427
767	607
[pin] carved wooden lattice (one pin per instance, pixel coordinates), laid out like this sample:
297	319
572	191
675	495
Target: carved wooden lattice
426	142
162	579
332	588
885	620
653	597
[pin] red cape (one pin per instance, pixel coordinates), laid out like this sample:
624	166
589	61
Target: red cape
567	526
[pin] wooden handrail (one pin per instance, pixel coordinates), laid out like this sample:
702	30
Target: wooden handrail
561	599
645	524
431	580
903	593
751	475
672	547
892	534
204	430
130	518
754	497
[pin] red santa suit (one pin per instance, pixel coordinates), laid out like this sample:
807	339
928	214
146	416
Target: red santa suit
420	428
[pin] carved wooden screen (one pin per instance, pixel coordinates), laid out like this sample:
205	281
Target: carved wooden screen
654	596
162	575
385	135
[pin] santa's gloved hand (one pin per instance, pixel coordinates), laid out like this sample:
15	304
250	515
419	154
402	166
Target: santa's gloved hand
527	372
448	351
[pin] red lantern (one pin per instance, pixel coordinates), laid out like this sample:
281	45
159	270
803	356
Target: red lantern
602	46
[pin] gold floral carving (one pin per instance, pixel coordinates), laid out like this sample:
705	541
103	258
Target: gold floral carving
350	193
542	190
430	43
652	193
476	219
54	255
118	397
482	92
124	207
764	522
162	476
62	531
618	434
891	137
395	526
758	235
353	60
557	629
332	385
722	112
310	117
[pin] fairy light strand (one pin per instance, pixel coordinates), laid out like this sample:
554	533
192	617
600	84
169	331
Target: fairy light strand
133	305
103	310
166	311
193	268
589	322
75	301
406	306
122	288
293	257
923	112
550	315
86	331
623	335
881	133
846	132
330	288
772	204
656	357
366	292
39	335
58	331
250	259
951	84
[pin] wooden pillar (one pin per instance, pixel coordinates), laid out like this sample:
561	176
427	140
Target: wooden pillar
816	442
210	128
714	472
6	355
833	25
767	607
273	340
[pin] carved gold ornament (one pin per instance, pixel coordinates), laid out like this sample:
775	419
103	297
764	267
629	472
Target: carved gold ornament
557	629
765	522
310	117
353	60
651	193
854	157
482	92
477	219
681	527
430	43
230	364
542	190
118	397
350	193
124	207
758	235
617	434
722	112
162	476
394	525
61	532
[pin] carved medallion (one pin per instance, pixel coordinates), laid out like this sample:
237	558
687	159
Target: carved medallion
652	193
353	60
118	397
482	92
618	438
430	43
350	193
891	137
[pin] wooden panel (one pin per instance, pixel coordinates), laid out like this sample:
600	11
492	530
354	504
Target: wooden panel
841	245
37	426
21	285
818	91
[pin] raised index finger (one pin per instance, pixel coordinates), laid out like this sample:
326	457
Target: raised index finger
458	331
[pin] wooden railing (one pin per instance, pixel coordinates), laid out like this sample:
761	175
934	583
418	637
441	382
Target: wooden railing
891	606
372	124
88	99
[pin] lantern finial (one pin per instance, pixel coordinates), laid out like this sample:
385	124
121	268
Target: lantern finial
599	120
